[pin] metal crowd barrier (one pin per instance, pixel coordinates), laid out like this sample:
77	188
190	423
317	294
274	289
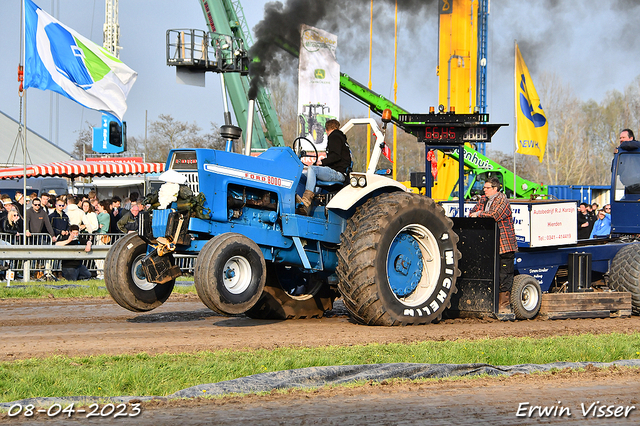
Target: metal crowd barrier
38	258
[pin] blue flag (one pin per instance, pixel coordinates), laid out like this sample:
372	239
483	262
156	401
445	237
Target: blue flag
57	58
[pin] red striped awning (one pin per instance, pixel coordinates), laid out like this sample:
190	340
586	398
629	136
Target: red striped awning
72	169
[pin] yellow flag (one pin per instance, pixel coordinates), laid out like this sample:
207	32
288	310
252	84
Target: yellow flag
531	121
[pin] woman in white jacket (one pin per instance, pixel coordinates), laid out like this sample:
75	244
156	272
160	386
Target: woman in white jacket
89	219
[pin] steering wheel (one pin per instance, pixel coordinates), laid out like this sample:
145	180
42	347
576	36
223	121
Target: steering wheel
297	148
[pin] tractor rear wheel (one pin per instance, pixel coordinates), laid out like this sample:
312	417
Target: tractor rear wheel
291	294
526	296
398	261
624	274
230	273
125	280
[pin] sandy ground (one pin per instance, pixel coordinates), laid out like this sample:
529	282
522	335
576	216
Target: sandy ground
40	328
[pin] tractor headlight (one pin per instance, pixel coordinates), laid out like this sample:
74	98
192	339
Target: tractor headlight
353	181
362	181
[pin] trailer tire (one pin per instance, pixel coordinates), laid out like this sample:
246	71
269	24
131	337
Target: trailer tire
625	274
398	261
277	303
230	273
125	280
526	297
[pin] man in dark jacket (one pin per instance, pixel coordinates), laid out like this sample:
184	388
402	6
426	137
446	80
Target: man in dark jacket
334	167
74	269
116	214
129	222
38	220
59	220
627	141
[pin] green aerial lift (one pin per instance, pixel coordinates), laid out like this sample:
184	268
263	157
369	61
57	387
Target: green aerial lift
217	50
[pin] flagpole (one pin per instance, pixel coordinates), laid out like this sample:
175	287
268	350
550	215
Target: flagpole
24	132
515	114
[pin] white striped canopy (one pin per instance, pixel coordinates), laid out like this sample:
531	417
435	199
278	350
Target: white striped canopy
72	169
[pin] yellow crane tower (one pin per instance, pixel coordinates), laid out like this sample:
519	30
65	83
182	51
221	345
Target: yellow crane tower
457	73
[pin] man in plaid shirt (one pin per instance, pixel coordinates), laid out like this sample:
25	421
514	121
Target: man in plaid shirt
494	204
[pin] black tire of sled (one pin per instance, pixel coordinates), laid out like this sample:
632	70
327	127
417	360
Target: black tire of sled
522	284
624	274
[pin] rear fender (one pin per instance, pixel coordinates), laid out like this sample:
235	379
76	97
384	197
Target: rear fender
349	196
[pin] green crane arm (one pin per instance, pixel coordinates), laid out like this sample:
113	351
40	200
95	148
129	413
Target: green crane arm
227	17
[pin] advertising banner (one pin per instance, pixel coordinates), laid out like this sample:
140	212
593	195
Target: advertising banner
536	224
318	85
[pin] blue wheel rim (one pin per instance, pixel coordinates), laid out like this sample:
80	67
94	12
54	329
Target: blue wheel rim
404	265
413	264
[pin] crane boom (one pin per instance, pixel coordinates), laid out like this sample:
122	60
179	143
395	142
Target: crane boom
227	17
111	28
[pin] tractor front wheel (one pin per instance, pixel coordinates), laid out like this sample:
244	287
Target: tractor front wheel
125	280
230	273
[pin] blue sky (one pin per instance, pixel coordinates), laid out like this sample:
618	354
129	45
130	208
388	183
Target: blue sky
585	44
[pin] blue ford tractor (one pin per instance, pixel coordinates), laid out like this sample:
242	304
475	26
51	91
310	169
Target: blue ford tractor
390	254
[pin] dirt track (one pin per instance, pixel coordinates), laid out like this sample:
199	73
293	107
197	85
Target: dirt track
39	328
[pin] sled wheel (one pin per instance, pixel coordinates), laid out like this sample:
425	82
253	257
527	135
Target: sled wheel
230	273
291	294
624	274
125	280
398	261
526	296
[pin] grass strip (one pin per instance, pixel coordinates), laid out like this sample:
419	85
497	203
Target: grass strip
88	288
164	374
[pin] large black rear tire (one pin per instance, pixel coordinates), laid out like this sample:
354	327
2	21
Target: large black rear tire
398	261
125	280
624	274
277	302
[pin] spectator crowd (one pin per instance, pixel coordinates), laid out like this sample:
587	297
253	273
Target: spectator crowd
593	223
69	220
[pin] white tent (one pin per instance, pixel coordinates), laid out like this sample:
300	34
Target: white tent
39	149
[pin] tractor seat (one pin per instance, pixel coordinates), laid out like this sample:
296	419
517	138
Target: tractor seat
335	185
330	185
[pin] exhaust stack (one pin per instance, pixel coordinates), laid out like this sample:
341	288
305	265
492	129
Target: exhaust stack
247	144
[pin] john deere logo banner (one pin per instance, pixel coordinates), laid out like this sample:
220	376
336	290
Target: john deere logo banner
319	85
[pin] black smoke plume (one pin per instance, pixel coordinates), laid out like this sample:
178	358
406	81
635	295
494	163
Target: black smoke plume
279	30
